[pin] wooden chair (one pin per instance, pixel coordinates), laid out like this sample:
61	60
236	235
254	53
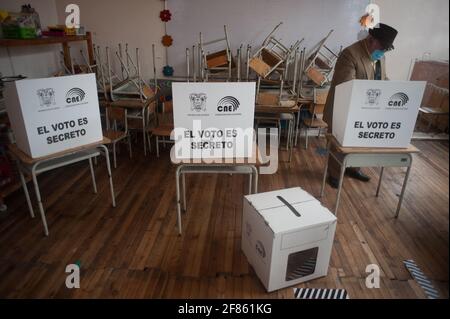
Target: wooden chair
164	126
316	110
117	128
434	105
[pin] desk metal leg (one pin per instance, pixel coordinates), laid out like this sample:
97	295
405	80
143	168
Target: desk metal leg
255	179
341	181
405	182
291	138
177	178
93	176
326	171
144	129
38	197
297	129
27	195
183	181
108	166
379	182
250	183
157	146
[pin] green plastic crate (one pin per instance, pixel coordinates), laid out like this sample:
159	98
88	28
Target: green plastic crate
16	32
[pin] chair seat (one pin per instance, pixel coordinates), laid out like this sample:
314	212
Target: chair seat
103	103
162	130
315	123
429	110
114	136
287	116
131	103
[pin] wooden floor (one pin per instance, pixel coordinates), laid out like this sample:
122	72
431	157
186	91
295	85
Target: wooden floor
133	251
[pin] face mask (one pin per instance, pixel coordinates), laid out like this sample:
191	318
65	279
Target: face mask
377	55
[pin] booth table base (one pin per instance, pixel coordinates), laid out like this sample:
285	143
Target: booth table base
33	167
368	157
234	168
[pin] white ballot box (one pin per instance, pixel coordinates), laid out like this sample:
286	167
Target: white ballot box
376	113
287	237
54	114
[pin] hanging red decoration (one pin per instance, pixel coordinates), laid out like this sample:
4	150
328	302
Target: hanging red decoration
167	40
165	15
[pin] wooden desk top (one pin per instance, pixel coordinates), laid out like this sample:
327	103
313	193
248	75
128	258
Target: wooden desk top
254	160
24	158
43	40
276	109
370	150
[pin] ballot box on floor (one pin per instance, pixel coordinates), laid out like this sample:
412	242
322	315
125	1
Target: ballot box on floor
287	237
379	114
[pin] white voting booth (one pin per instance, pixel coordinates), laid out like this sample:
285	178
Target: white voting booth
51	115
376	113
213	120
287	237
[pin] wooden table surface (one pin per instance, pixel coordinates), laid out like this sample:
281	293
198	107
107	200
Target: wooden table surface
253	160
370	150
25	158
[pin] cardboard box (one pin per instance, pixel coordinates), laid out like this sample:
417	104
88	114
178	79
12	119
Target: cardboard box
376	113
287	248
52	115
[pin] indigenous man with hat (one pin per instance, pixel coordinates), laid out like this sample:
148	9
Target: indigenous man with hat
363	60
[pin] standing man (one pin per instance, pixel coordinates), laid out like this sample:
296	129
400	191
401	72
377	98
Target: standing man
363	60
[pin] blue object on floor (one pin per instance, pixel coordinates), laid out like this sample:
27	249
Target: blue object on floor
321	151
421	279
313	293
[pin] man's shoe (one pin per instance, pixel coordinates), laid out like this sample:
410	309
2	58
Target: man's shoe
333	182
357	174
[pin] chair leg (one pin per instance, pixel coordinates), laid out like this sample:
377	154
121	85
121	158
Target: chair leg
149	140
129	146
288	141
157	146
306	138
114	155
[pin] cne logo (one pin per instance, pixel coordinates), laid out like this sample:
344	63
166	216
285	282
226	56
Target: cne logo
398	100
260	249
75	95
228	104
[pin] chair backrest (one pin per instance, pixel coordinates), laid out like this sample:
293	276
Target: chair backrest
320	98
165	116
268	99
436	97
116	116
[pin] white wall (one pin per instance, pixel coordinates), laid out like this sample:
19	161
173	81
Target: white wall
38	61
135	22
250	21
423	28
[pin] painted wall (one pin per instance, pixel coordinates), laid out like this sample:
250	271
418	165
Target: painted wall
423	27
39	61
250	21
423	31
135	22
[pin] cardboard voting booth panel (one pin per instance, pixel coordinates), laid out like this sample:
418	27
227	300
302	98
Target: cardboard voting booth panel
213	120
287	237
376	113
52	115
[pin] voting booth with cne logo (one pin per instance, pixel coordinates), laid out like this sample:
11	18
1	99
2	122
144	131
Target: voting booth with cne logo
213	120
380	114
51	115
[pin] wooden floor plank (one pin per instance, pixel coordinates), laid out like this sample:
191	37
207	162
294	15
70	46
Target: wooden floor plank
134	251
